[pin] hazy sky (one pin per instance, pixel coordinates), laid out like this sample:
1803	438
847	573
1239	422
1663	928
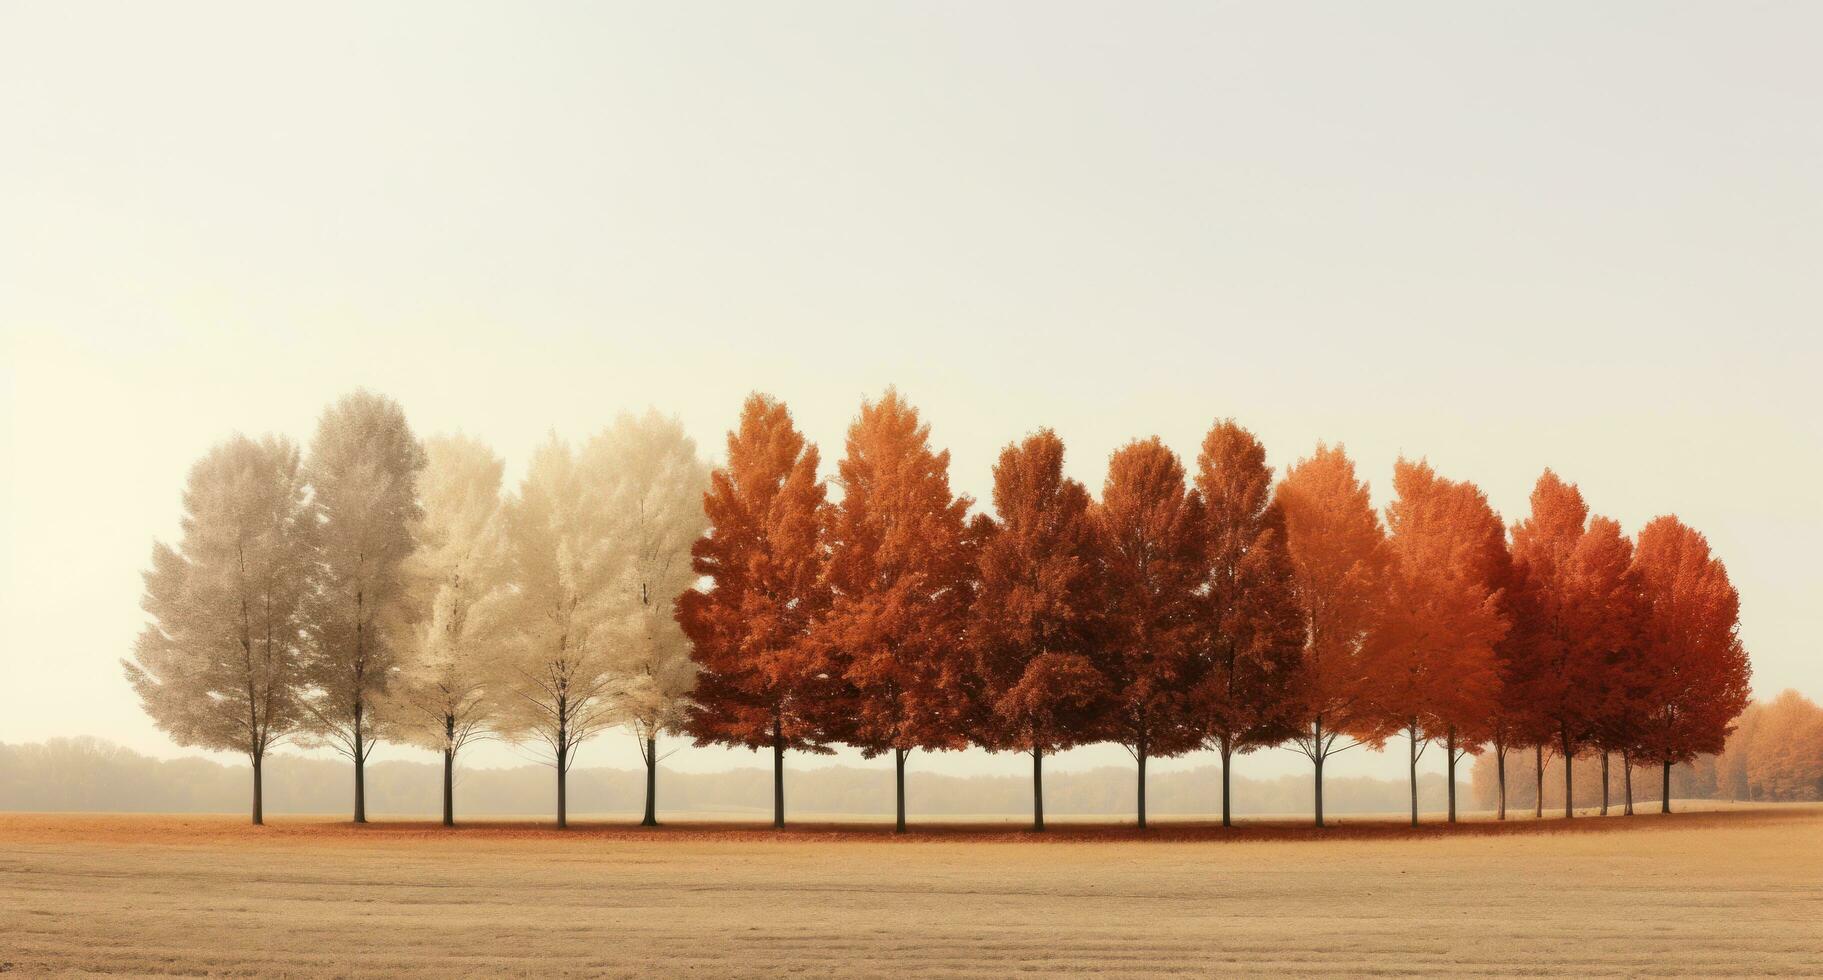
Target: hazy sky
1576	235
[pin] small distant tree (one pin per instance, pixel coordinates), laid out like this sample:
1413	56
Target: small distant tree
1037	602
1151	527
1251	636
561	685
1339	562
761	683
901	565
218	665
363	472
449	671
1787	762
654	483
1434	647
1699	675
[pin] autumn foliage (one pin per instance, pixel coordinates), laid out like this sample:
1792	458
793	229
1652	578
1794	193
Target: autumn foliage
761	682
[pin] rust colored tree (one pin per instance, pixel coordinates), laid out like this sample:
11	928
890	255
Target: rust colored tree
901	564
1605	611
1433	649
1699	675
760	682
1550	691
1150	526
1338	559
1251	630
1036	607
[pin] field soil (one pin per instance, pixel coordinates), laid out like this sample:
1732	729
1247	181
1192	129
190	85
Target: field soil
1729	891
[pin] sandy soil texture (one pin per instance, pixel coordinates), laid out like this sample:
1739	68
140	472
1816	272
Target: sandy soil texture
1731	892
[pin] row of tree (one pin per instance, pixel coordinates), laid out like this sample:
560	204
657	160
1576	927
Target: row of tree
382	590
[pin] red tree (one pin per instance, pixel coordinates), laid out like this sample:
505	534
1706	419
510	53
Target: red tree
760	682
1150	527
1036	605
1605	611
1338	557
901	563
1553	686
1434	646
1251	642
1699	675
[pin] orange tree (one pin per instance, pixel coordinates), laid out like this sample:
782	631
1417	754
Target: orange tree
760	682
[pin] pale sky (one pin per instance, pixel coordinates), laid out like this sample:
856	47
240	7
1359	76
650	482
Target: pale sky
1564	234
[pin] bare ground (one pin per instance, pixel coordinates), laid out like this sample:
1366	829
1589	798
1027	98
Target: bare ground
1733	891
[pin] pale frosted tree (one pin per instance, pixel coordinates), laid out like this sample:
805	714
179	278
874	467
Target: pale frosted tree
218	665
449	663
561	687
363	472
653	483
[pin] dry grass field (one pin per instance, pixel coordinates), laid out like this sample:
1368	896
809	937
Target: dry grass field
1723	892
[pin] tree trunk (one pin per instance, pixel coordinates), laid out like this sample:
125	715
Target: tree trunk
449	770
1500	768
1664	796
449	787
1449	746
259	799
899	779
1037	789
360	770
778	773
1626	778
563	801
651	818
1538	800
1316	759
1141	757
1569	796
1227	785
1414	771
1604	782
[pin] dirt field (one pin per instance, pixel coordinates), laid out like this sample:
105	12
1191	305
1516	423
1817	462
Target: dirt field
1731	892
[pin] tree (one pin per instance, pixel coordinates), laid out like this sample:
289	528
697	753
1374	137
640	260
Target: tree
653	482
218	666
363	472
1699	675
1251	639
760	682
1786	761
1338	559
1037	600
901	564
1513	720
1554	689
1605	613
445	694
1434	647
562	685
1151	541
1734	765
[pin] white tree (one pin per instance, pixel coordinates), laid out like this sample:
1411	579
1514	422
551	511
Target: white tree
444	695
218	666
363	472
653	486
560	686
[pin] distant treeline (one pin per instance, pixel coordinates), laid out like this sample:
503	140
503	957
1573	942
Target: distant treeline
90	774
